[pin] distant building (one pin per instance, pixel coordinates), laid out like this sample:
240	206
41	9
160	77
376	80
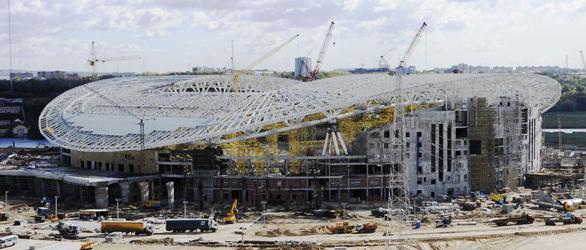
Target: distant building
21	76
20	130
60	75
203	70
368	70
302	67
11	116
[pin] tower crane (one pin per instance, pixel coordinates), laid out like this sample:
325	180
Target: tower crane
322	53
384	64
400	197
583	60
255	63
93	60
409	51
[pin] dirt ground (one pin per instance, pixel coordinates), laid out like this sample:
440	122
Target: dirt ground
285	230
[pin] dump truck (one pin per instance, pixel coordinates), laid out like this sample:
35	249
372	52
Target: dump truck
67	231
341	228
366	228
567	218
182	225
518	220
136	227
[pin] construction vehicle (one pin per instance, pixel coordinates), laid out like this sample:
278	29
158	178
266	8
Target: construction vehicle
379	212
322	53
136	227
43	211
341	228
518	220
444	221
93	214
566	218
88	245
67	231
314	74
366	228
8	240
497	198
182	225
231	215
153	204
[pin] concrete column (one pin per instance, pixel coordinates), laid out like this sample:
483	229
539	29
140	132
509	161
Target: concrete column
144	190
124	191
170	194
101	197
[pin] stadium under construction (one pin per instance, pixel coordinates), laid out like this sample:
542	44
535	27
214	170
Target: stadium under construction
291	143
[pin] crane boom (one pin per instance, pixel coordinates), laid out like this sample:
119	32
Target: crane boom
270	53
583	60
322	52
93	59
383	63
412	45
236	73
118	58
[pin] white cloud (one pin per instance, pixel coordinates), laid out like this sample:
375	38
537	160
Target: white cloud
172	33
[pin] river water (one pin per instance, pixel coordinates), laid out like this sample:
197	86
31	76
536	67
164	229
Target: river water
23	143
564	130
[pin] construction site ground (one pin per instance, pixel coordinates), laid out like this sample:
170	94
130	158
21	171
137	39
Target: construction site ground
468	230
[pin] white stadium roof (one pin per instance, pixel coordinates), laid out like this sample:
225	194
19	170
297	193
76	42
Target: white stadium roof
103	116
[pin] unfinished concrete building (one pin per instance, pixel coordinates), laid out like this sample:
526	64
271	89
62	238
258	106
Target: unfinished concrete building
199	139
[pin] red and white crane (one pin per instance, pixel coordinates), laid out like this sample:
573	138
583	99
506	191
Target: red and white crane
322	52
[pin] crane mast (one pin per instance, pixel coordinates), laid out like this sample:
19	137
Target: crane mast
583	60
398	197
93	60
322	52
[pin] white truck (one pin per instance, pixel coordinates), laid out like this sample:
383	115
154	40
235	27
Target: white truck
8	240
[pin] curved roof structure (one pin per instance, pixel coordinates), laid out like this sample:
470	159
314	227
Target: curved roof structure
104	116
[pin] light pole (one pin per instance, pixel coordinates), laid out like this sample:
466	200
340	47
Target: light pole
117	208
264	203
6	201
56	197
185	209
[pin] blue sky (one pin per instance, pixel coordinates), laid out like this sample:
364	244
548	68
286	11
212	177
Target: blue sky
174	35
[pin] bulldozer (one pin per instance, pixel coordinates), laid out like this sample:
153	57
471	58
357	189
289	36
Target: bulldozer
231	215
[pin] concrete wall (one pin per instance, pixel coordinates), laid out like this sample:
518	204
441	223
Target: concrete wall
128	162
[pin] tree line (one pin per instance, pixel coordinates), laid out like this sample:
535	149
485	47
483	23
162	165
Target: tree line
573	93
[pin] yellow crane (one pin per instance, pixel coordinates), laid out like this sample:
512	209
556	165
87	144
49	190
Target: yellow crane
93	60
251	66
231	215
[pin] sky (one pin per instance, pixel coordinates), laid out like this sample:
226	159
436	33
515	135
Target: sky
175	35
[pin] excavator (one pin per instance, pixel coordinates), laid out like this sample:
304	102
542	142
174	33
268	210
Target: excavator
231	215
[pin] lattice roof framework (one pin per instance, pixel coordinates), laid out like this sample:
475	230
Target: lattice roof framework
204	109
